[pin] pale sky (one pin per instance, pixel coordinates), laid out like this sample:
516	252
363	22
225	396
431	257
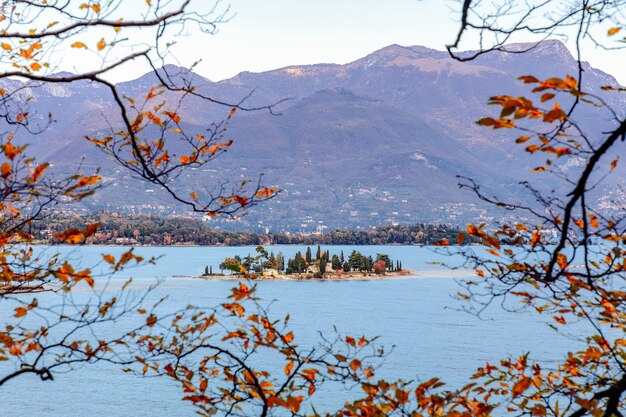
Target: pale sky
270	34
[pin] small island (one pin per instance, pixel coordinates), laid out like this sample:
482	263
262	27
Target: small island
319	266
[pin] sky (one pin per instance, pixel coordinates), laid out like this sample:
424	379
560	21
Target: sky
262	35
269	34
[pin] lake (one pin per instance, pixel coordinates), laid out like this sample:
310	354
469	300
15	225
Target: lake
417	316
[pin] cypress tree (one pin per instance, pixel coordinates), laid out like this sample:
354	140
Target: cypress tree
318	254
308	255
323	266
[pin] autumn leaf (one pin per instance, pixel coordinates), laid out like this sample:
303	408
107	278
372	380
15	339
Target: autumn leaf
174	116
79	45
243	201
288	368
614	30
535	238
101	44
6	170
38	172
20	311
521	386
151	320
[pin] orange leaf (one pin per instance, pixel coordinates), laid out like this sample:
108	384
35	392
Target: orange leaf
614	30
288	368
535	238
79	45
101	44
203	385
521	386
6	170
38	172
355	364
151	320
20	311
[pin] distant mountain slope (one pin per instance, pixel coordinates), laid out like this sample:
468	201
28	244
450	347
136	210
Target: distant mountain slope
378	140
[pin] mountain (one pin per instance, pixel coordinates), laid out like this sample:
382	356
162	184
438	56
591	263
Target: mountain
378	140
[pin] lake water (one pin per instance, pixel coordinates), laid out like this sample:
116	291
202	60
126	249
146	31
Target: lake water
417	316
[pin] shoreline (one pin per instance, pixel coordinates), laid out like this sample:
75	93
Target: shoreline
449	274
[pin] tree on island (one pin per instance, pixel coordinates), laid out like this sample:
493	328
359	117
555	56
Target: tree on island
380	267
322	268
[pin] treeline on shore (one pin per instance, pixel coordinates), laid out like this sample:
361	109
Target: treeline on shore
118	229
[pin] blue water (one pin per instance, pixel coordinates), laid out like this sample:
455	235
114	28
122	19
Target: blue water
418	317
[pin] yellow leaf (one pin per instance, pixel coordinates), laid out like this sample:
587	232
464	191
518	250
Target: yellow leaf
79	45
101	44
6	47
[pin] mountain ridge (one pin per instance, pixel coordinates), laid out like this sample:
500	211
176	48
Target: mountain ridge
378	140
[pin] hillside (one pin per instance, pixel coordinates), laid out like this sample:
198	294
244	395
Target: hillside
380	140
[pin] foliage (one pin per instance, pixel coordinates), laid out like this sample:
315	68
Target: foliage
211	352
145	135
157	230
299	264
